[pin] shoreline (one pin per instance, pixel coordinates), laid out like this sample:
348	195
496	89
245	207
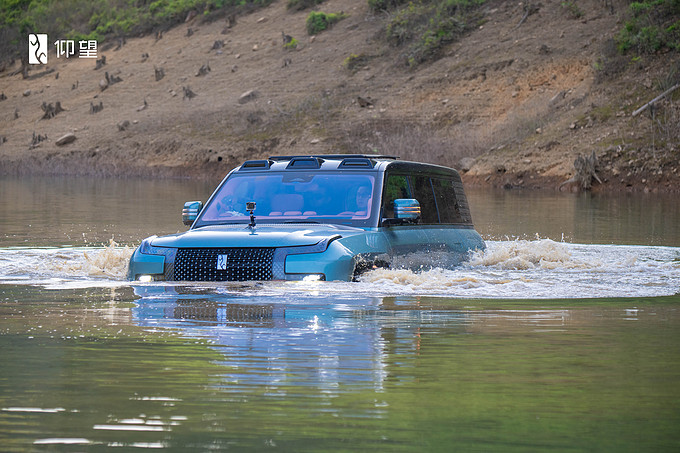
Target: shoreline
83	166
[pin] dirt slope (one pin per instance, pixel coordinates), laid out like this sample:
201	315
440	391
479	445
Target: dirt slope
512	104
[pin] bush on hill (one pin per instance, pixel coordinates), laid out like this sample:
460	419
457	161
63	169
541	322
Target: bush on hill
654	25
98	19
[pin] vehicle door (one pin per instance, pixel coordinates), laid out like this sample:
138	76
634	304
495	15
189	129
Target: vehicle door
433	240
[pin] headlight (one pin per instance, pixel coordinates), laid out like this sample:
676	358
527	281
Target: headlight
147	249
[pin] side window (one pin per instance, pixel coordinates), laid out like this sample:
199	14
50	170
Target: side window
422	191
395	187
447	202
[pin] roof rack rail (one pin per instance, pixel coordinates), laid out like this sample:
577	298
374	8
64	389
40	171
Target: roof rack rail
333	156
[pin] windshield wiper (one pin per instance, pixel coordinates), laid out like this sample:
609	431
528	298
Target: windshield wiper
300	221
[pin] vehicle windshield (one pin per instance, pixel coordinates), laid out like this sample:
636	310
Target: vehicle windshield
293	196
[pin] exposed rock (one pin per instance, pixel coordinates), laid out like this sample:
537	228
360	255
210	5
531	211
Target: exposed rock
247	96
466	164
364	102
203	70
66	139
122	126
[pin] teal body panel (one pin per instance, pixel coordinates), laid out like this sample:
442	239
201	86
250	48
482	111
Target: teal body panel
141	264
260	236
336	263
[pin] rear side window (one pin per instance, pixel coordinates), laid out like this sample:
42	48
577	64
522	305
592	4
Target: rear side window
422	191
447	202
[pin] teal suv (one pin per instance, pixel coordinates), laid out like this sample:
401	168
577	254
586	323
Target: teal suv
325	217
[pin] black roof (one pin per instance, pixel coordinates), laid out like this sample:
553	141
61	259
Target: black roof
334	156
342	161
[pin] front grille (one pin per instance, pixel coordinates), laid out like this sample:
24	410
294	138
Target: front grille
223	264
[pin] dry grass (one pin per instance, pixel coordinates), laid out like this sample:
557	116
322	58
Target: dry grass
413	141
522	122
666	128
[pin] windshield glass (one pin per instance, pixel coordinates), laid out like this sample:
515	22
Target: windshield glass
293	196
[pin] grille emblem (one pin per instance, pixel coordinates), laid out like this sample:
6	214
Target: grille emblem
222	261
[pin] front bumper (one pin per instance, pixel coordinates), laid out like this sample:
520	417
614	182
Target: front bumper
325	260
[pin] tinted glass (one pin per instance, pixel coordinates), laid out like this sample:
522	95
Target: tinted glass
422	191
292	196
395	187
447	202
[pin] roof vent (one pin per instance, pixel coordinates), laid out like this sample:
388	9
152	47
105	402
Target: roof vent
305	162
256	165
357	162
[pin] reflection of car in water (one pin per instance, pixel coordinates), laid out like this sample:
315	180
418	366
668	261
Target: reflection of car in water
326	217
282	341
266	341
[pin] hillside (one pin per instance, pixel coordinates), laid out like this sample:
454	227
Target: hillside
512	103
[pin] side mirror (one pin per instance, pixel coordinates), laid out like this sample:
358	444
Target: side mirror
406	209
191	211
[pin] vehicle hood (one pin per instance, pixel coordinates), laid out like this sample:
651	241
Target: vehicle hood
262	236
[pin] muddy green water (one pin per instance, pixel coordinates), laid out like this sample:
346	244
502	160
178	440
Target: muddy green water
95	364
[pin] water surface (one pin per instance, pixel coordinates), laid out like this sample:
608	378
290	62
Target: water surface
563	336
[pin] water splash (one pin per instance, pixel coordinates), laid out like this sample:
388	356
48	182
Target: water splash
523	254
110	261
542	268
67	264
517	269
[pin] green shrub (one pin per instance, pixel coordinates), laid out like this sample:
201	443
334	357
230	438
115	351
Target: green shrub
299	5
318	22
573	9
427	26
96	19
654	25
384	5
355	62
292	44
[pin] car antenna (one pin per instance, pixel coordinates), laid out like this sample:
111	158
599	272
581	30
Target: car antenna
250	207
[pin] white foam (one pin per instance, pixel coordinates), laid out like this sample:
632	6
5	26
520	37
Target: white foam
65	267
543	269
518	269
